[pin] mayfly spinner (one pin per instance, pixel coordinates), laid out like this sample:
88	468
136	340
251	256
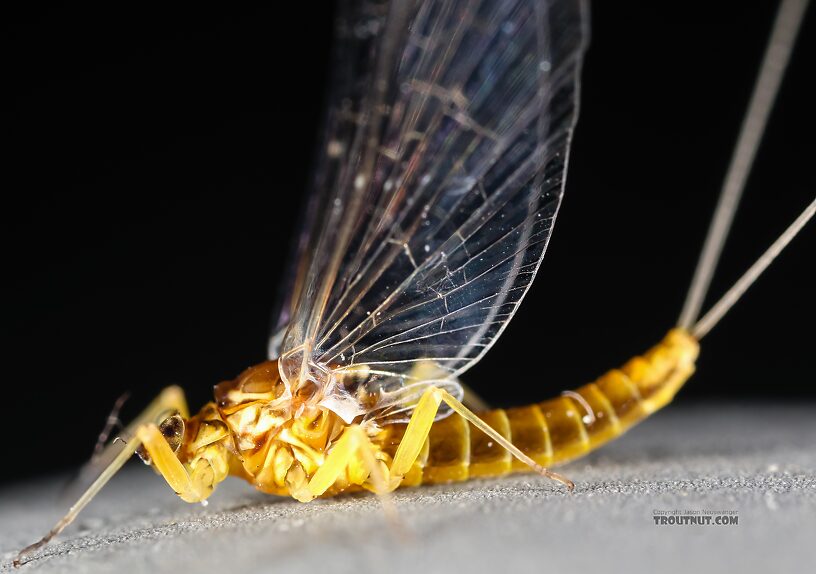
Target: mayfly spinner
440	177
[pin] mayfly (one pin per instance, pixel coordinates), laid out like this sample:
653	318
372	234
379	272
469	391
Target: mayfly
436	190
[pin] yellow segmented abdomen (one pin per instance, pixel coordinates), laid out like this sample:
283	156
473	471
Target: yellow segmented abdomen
560	429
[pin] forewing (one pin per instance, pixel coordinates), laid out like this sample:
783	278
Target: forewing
358	29
439	183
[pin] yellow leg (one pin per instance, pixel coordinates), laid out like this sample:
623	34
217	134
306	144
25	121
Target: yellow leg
355	442
163	459
380	482
377	474
419	427
335	463
114	456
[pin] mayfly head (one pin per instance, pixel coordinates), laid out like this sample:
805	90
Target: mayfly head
172	429
200	444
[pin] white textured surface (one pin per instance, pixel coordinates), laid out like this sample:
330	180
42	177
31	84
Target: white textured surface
758	461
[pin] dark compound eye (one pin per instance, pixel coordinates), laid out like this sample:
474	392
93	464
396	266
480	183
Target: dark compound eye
173	430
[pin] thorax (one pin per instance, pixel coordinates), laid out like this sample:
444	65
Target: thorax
279	441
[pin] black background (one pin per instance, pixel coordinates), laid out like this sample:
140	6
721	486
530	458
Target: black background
156	156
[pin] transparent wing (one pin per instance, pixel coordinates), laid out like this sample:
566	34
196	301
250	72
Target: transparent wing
358	29
437	188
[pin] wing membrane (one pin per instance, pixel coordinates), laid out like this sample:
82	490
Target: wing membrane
439	182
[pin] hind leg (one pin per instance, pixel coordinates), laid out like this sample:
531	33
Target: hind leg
419	427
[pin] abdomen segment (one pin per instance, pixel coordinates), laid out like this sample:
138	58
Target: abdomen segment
560	429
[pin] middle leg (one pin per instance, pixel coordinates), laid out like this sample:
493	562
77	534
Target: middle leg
354	442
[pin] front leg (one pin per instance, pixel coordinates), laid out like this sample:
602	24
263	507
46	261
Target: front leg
419	427
115	455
